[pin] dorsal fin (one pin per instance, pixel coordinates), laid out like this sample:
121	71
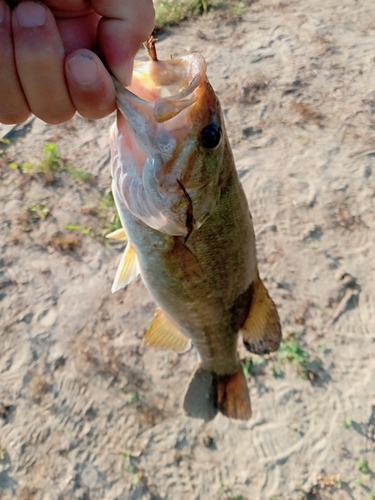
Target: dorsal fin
163	334
261	331
119	234
127	270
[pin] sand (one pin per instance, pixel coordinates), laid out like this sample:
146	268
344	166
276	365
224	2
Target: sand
86	412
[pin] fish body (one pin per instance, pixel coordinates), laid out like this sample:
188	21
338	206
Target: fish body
189	230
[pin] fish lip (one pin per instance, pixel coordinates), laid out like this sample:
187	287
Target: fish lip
163	106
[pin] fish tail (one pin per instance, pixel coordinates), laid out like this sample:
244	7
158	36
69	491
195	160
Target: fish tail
209	394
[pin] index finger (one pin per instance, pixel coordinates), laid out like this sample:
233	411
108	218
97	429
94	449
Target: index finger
125	25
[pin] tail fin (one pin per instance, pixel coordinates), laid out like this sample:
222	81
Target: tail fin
209	393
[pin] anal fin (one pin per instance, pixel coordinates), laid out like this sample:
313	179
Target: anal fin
163	334
209	393
261	331
127	270
119	235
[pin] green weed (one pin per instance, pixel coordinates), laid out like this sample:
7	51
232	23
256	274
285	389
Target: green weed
40	211
247	365
50	163
108	214
172	12
363	466
292	352
322	348
347	422
80	175
277	372
372	495
238	10
30	215
48	166
134	397
128	466
81	229
113	224
337	483
2	452
24	167
253	366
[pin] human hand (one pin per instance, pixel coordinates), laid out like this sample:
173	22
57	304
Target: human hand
47	63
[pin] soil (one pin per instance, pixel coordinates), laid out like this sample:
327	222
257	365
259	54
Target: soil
85	411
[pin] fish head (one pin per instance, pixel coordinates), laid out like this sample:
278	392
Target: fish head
168	145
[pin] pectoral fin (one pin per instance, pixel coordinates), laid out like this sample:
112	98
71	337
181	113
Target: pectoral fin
163	334
119	234
261	331
127	270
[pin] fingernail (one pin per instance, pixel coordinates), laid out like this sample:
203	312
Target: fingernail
2	11
31	14
83	68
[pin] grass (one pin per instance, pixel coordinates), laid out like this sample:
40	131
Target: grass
347	422
134	397
108	214
32	214
363	466
252	366
106	211
79	175
81	229
292	352
129	467
226	493
40	211
172	12
51	163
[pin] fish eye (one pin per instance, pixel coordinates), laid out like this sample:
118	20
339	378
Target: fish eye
210	136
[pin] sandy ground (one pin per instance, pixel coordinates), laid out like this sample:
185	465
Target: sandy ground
85	412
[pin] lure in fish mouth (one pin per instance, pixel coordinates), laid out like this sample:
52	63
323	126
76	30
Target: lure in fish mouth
189	230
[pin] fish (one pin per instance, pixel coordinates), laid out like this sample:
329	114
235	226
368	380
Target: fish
189	230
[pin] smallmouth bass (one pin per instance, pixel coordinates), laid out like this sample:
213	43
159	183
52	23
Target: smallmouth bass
189	229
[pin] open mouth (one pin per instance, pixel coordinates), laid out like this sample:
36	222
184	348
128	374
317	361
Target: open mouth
168	87
156	148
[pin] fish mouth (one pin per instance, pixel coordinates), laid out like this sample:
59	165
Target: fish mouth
168	87
165	99
155	145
